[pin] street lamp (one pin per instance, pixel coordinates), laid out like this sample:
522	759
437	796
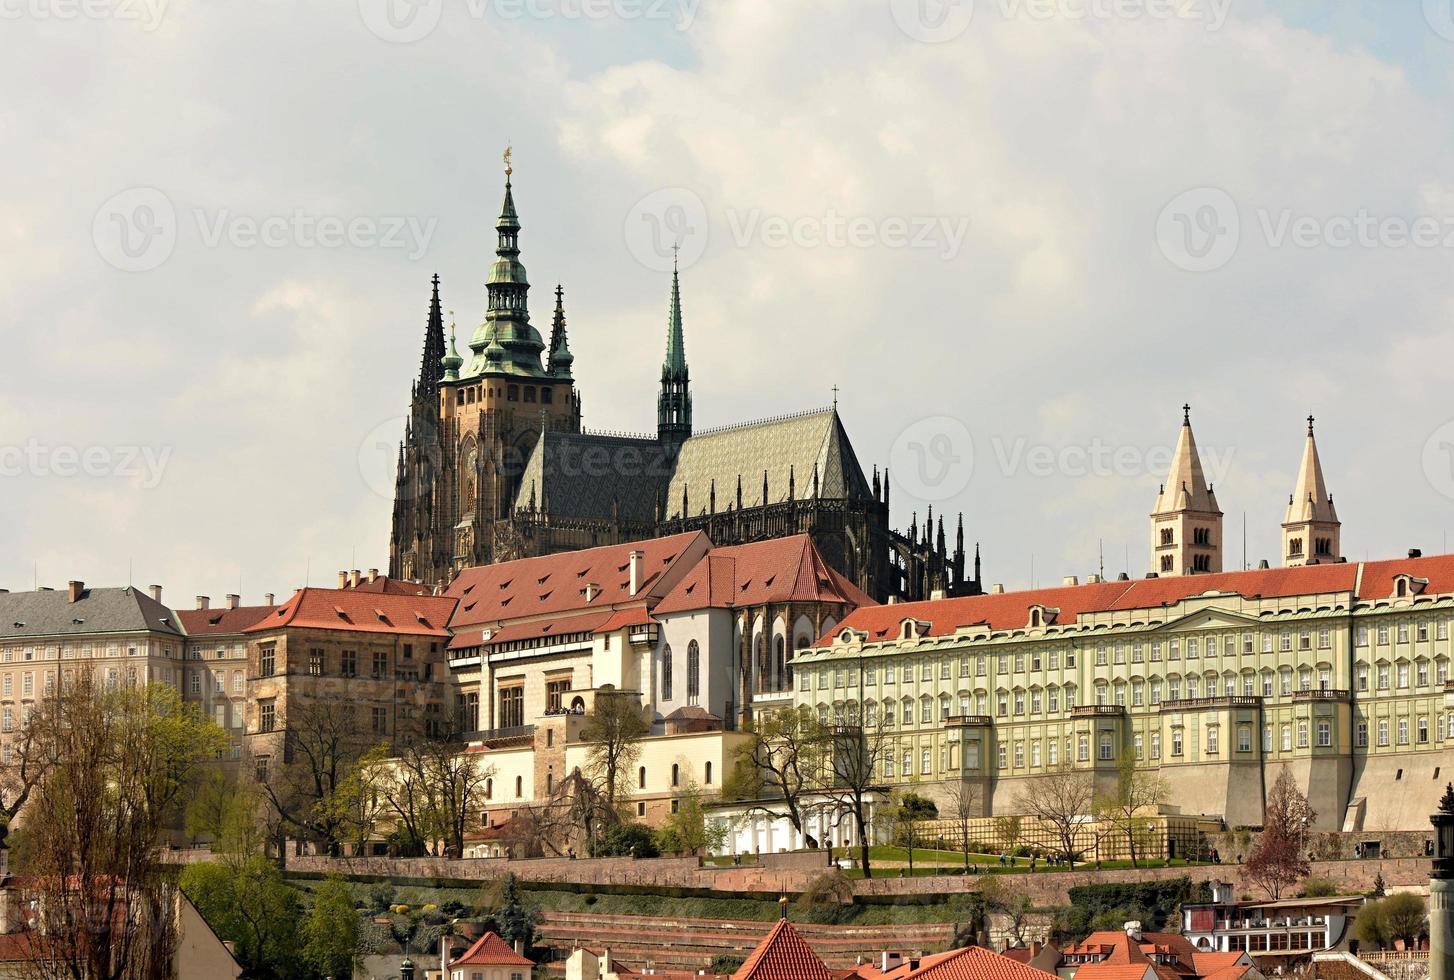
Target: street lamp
1441	891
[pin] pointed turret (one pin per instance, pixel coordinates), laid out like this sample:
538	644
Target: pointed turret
674	404
1311	531
451	362
506	332
560	355
1186	524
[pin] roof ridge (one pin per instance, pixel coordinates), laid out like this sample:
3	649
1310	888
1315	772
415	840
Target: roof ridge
769	420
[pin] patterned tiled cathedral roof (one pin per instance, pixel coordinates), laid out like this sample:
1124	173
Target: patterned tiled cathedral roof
586	475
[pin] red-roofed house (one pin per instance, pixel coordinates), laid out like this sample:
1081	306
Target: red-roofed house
490	958
967	963
373	663
1131	954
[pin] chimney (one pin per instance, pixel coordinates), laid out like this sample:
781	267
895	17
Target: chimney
1262	565
636	561
1093	579
520	946
268	600
592	590
1123	577
1035	947
997	589
936	594
1416	552
893	600
354	577
890	961
74	590
233	601
1133	929
373	574
156	592
343	580
203	602
1070	580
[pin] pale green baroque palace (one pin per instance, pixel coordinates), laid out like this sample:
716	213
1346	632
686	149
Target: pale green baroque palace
1218	680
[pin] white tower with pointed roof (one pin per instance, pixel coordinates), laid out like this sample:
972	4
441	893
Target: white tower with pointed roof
1311	531
1186	524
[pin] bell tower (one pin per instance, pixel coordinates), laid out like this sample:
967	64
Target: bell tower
1311	531
1186	523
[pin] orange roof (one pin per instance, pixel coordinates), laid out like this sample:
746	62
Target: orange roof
204	622
1011	610
491	950
390	586
967	963
361	612
786	569
1227	973
552	584
1377	580
1118	948
783	955
1115	971
1210	962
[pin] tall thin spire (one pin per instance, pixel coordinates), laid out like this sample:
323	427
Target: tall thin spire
674	404
561	358
430	366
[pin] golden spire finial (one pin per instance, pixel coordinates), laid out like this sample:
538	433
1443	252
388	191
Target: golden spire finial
508	169
451	323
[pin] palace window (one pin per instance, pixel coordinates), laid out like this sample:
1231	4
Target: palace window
1362	676
1155	692
1423	729
1325	638
1137	654
666	671
315	662
1383	634
1383	731
1403	675
1138	693
1423	673
1019	755
555	694
381	664
1176	736
1082	747
511	706
1035	701
1302	734
1035	661
979	665
267	716
1383	675
380	718
1173	650
1052	752
1155	745
267	660
1002	757
1191	648
1213	740
1002	704
1360	737
1156	652
1266	738
963	666
1287	738
1052	699
1120	654
1035	754
1247	644
1100	656
1403	731
1403	632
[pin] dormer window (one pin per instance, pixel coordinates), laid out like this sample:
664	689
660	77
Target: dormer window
911	629
1405	586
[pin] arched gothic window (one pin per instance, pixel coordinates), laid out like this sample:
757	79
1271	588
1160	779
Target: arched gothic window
666	672
694	672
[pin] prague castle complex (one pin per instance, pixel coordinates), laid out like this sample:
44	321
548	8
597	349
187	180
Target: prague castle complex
717	576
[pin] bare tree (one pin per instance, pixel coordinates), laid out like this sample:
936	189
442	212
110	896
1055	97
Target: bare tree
613	732
431	787
848	755
1061	798
1280	857
1124	808
777	765
104	903
322	747
963	809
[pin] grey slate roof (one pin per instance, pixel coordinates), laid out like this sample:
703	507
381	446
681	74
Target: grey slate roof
578	475
50	613
795	443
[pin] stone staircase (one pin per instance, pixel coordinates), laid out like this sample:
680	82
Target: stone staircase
668	943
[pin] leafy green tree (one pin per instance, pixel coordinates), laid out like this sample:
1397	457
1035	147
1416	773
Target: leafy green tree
251	906
331	930
1405	916
687	831
626	840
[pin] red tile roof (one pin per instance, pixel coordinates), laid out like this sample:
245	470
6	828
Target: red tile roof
537	587
491	950
204	622
1115	971
783	955
383	584
361	612
786	569
1211	962
1234	972
967	963
1011	610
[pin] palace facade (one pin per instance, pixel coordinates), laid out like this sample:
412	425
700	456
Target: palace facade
1215	680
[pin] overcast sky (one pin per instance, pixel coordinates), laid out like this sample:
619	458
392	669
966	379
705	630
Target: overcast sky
1017	234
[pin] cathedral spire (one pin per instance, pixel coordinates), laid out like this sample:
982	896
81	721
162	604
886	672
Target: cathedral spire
430	366
451	362
674	404
560	355
1311	531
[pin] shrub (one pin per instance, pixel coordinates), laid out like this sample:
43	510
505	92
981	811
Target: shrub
725	964
1154	903
381	896
1319	887
825	898
626	840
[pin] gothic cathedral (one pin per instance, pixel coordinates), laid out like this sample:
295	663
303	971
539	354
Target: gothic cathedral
495	464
